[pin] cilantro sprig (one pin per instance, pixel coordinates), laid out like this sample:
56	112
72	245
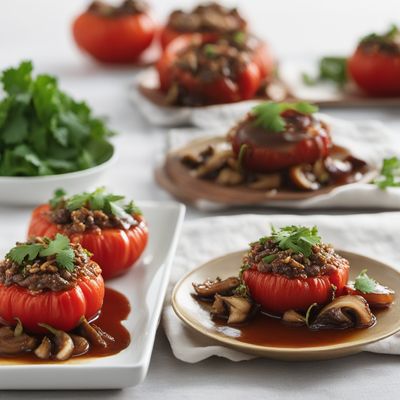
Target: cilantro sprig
330	69
387	36
109	203
299	239
44	131
268	114
390	173
58	247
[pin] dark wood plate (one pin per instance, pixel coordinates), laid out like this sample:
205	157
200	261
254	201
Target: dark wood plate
178	180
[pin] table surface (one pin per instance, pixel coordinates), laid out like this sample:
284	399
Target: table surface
39	30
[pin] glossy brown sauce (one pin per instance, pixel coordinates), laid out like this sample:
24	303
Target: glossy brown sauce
266	331
115	310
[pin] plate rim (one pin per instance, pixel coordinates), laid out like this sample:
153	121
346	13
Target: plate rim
254	348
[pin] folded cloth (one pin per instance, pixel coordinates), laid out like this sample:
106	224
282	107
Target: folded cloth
370	141
206	116
203	239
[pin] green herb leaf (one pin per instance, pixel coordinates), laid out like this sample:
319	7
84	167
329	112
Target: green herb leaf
331	69
239	37
364	283
25	252
389	174
388	36
58	197
66	258
132	209
268	114
210	50
55	246
268	259
299	239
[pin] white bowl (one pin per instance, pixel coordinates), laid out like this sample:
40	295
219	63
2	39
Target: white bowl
32	190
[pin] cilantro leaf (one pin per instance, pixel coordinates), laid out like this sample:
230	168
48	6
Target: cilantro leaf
268	114
18	80
331	69
389	174
299	239
132	209
364	283
268	259
66	258
19	253
60	243
58	197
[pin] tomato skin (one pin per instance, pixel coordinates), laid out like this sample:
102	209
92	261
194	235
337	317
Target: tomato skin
167	35
62	310
223	90
270	159
375	300
376	73
115	250
119	39
277	293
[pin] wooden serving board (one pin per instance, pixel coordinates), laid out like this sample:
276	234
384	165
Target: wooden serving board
178	180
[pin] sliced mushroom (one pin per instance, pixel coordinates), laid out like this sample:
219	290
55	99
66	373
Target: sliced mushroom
91	334
236	309
229	177
192	160
303	177
293	317
337	167
214	163
344	312
81	345
43	351
211	288
64	346
266	182
12	344
320	171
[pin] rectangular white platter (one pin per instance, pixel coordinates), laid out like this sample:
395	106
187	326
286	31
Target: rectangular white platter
145	287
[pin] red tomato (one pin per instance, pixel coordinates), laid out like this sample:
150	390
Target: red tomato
62	310
377	300
119	39
167	35
277	293
223	90
377	73
270	157
115	250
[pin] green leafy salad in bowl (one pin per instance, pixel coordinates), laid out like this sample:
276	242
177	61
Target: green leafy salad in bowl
43	131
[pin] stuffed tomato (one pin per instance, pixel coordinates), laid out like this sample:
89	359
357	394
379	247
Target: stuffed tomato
115	34
205	18
375	64
52	282
115	233
199	70
274	136
292	269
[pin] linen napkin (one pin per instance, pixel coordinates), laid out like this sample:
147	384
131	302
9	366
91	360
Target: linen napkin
372	235
371	141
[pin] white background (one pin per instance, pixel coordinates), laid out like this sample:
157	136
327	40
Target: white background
40	30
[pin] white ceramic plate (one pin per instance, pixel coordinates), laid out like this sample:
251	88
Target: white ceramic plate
145	286
14	189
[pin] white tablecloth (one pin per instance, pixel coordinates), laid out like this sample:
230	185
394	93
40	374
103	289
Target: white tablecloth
39	30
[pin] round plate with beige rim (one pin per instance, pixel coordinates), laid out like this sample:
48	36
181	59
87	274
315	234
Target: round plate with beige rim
190	311
177	179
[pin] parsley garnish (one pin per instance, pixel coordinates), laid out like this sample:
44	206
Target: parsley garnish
299	239
43	131
268	114
109	203
58	247
364	283
389	174
388	36
333	69
268	259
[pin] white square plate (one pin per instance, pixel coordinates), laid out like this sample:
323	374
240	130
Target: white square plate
145	286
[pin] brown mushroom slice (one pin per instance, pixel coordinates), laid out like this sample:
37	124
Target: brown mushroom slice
11	344
293	317
229	177
43	351
92	334
344	312
81	345
64	346
211	288
214	163
303	177
236	309
320	171
266	182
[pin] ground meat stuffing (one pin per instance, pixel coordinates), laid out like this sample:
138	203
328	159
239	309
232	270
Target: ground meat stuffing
43	274
210	17
127	7
322	261
389	44
84	219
